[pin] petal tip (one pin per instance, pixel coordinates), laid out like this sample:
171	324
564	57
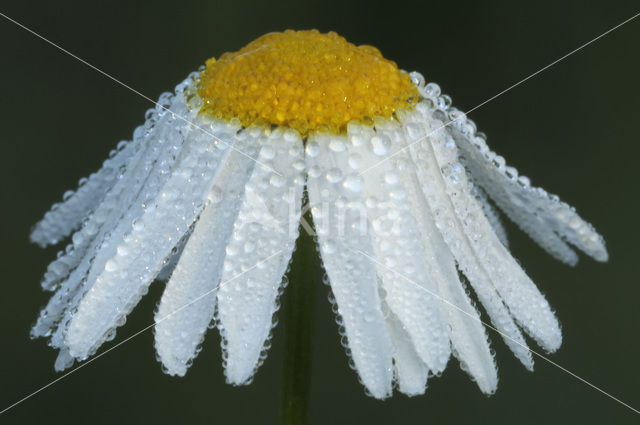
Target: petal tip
488	387
174	368
236	376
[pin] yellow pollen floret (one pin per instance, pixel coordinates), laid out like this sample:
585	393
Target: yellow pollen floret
304	80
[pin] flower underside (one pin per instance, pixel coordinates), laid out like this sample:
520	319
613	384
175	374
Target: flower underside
403	204
306	81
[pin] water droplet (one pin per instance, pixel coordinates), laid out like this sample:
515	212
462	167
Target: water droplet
315	171
334	175
417	79
267	152
312	149
329	247
524	182
353	182
390	178
215	195
380	145
432	90
355	161
298	165
356	140
398	194
337	145
444	102
111	266
277	180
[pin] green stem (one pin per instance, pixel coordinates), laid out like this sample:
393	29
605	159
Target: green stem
298	306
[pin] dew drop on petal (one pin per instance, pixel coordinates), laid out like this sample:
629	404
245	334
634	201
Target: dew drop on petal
337	145
267	152
334	175
312	149
390	178
353	182
215	195
329	247
355	161
277	180
380	145
314	171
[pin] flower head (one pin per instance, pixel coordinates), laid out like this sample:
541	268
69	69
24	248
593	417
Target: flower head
208	194
304	80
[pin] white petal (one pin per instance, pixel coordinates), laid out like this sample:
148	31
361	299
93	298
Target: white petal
335	208
492	215
545	237
263	240
435	191
527	305
468	336
171	262
531	208
537	229
135	262
64	360
66	216
145	176
410	371
189	299
411	293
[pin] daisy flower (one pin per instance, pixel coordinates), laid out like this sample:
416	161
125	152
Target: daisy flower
402	189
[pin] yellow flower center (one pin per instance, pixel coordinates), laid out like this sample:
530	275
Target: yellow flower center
304	80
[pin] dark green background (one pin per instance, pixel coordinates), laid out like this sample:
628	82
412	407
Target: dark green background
574	129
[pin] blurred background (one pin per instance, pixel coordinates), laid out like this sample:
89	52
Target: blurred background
573	129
